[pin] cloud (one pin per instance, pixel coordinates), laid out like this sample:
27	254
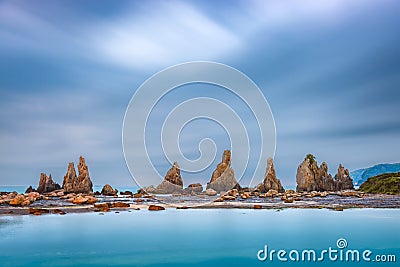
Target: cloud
168	33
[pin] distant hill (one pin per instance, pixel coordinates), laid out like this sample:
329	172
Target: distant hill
361	175
387	183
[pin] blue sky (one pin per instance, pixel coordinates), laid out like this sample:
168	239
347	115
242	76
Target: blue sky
68	69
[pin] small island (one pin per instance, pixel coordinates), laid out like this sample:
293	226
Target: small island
316	188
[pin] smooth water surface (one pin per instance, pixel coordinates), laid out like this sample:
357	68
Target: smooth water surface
220	237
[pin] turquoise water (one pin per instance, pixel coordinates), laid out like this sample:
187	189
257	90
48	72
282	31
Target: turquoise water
196	237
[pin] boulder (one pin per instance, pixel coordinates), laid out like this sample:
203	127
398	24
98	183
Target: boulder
18	200
343	180
101	207
223	178
46	184
108	190
119	205
211	192
194	188
78	184
270	180
155	207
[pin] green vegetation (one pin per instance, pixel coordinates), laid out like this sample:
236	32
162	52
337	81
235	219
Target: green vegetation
311	158
387	183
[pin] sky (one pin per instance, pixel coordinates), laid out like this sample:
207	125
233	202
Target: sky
329	70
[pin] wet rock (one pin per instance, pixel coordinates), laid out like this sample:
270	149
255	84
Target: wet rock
126	193
58	211
79	200
18	200
91	200
270	179
211	192
272	193
119	205
101	207
156	208
223	178
38	211
46	184
78	184
257	207
108	190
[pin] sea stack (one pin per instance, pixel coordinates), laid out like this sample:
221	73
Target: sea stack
46	184
172	182
223	178
343	180
80	183
270	180
311	178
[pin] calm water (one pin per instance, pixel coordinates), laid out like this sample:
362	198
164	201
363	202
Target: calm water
195	237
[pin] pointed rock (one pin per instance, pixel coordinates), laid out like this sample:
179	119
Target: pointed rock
172	182
270	180
80	183
46	184
174	175
343	180
223	178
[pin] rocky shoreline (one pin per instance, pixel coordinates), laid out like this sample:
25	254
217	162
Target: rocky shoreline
57	203
316	188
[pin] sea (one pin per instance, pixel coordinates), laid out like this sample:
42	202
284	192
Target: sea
203	237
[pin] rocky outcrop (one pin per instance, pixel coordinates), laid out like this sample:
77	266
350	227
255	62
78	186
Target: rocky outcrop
311	178
343	180
172	182
194	188
108	190
174	175
77	184
46	184
30	189
270	180
223	178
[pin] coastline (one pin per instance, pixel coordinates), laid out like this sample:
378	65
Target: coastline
120	203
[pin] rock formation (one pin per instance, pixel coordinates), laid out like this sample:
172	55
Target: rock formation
194	188
223	178
80	183
311	178
342	179
46	184
29	190
270	180
108	190
174	175
172	182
